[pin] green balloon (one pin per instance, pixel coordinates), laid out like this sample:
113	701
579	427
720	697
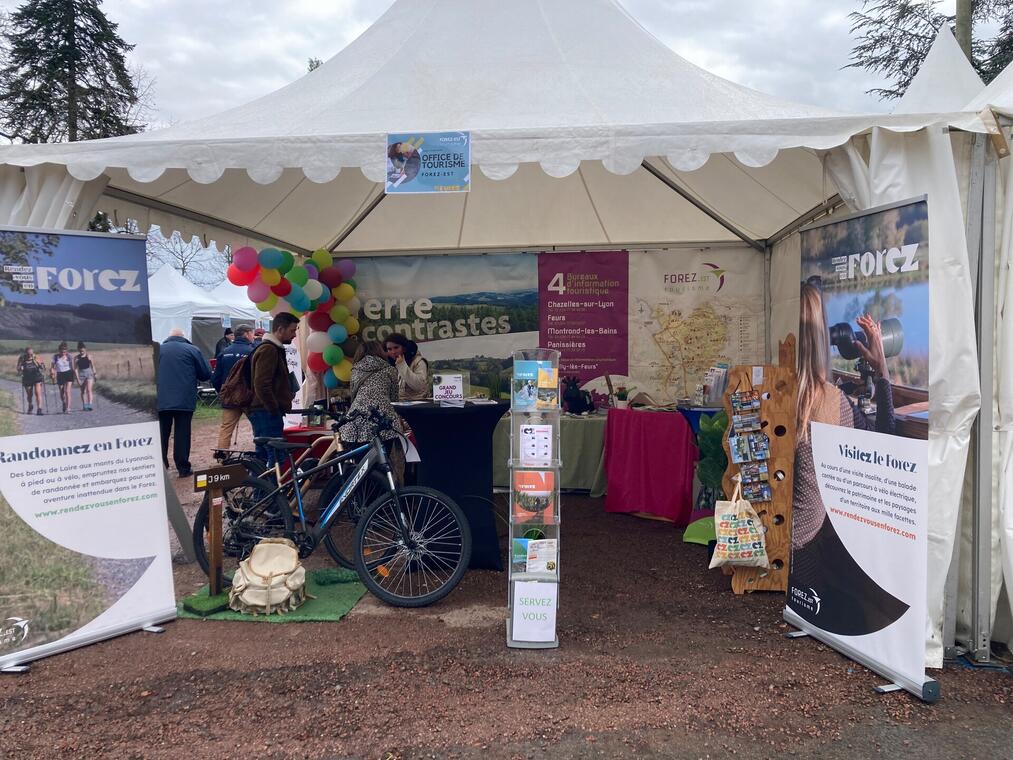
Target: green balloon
351	282
288	260
333	355
298	276
322	259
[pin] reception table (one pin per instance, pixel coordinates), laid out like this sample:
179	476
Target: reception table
581	446
649	462
455	444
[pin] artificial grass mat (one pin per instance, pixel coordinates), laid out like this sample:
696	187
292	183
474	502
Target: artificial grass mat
336	591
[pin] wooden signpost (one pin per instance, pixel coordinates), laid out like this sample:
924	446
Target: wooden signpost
215	481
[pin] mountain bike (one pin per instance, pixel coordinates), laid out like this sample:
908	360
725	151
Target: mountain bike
331	469
411	546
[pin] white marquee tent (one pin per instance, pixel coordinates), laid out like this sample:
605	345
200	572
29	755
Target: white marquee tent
176	302
587	132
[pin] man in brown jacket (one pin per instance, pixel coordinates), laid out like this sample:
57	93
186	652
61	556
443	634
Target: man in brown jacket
272	388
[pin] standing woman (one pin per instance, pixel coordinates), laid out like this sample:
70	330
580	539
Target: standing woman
412	369
33	376
374	386
62	372
84	372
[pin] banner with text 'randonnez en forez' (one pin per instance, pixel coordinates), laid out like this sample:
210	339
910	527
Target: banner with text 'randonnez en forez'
84	545
860	508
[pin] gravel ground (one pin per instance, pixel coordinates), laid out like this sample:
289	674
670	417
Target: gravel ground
658	659
107	412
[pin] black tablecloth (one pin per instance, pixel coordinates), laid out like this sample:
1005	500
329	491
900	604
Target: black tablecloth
456	449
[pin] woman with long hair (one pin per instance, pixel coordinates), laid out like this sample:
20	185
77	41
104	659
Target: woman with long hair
851	603
62	372
84	372
33	377
412	369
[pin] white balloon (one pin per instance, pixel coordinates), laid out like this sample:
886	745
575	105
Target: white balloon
313	289
318	341
353	304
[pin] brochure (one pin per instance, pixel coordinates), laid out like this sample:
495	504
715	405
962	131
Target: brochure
542	556
548	398
519	555
738	447
759	446
536	446
746	423
745	401
534	496
525	385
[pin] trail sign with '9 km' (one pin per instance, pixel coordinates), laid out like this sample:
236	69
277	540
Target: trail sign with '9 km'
219	478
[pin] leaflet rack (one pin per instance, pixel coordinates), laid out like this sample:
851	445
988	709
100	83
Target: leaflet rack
533	593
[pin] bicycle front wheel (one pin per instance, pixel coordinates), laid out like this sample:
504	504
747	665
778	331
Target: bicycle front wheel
426	567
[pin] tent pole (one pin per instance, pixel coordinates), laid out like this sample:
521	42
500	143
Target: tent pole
194	216
981	602
665	180
829	205
768	350
359	219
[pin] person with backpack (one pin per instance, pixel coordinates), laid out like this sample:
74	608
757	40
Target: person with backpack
271	383
32	378
238	349
181	366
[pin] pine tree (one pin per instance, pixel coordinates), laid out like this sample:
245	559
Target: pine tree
65	75
894	36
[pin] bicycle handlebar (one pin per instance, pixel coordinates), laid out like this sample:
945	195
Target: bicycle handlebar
375	417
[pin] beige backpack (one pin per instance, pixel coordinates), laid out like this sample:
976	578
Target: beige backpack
270	580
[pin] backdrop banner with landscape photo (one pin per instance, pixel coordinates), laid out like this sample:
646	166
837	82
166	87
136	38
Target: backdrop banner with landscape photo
860	514
656	320
84	544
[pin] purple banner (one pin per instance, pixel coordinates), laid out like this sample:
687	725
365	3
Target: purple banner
583	301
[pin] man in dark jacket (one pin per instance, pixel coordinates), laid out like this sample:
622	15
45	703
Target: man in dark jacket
272	388
240	347
225	341
180	367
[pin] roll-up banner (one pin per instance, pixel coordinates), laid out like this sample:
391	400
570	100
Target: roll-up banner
84	543
859	517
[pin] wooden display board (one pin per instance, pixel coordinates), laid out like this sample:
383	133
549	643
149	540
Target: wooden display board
778	390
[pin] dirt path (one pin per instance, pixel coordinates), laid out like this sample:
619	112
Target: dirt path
106	412
658	659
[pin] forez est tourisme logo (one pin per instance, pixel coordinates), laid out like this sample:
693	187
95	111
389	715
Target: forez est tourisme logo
713	275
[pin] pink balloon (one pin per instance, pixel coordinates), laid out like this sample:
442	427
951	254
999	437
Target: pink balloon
245	259
347	268
258	291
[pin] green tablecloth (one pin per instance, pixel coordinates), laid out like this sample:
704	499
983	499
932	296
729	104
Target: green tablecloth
582	445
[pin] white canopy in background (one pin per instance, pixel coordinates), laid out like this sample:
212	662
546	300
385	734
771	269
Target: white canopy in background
566	98
175	302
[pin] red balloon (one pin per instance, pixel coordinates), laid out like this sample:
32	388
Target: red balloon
325	306
238	277
316	363
283	288
320	321
331	277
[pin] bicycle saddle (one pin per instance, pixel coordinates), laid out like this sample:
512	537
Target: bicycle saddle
280	444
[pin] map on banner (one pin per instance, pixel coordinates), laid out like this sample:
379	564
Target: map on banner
690	311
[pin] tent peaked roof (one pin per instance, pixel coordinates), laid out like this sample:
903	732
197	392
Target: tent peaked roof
946	80
997	95
167	288
553	82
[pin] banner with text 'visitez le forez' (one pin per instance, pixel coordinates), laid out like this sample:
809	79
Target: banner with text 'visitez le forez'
84	546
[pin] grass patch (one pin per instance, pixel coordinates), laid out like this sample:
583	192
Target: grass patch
207	413
7	423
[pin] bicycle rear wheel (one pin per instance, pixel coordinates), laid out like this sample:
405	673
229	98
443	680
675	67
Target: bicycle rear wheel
430	565
248	515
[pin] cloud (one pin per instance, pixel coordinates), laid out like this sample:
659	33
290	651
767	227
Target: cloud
207	57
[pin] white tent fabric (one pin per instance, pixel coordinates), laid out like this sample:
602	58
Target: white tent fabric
47	197
175	301
232	300
945	81
563	84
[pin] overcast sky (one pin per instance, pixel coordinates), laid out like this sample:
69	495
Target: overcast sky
208	56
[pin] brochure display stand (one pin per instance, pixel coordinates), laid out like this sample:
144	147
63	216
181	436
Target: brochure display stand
534	500
760	402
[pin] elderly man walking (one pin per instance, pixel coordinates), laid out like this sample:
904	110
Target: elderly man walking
180	367
227	359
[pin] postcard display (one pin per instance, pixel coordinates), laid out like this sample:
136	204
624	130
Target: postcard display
534	500
760	402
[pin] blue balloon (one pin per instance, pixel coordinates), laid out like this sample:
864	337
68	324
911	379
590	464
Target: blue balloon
298	298
337	333
270	258
330	380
